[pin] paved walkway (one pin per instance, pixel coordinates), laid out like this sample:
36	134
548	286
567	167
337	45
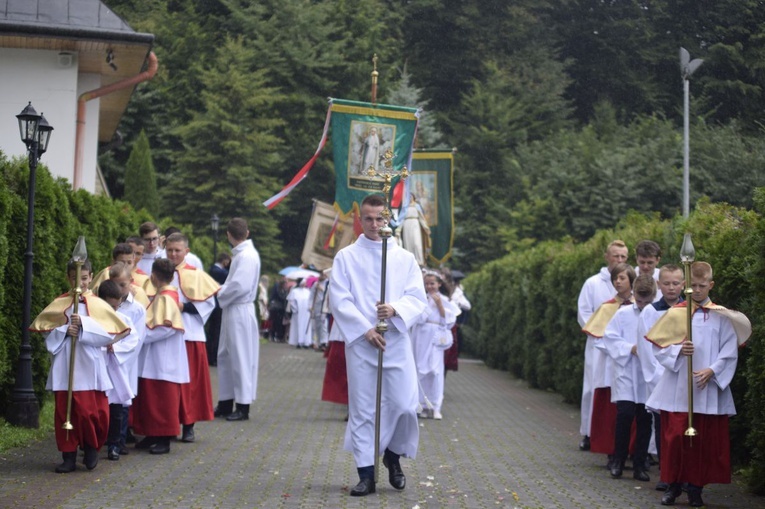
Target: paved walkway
500	445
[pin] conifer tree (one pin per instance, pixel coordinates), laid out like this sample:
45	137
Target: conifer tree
230	152
406	94
140	177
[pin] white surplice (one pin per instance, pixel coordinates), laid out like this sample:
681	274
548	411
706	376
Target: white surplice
89	364
716	347
628	383
595	291
355	284
239	345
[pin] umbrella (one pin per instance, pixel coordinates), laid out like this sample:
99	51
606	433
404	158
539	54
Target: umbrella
287	270
456	274
301	274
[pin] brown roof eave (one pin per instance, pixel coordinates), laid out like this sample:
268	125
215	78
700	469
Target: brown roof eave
35	30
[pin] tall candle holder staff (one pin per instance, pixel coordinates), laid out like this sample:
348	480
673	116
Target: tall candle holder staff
79	255
387	173
687	256
374	325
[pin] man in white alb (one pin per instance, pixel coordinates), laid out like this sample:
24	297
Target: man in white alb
355	283
239	346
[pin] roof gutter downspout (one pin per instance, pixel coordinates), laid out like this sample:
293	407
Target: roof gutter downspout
94	94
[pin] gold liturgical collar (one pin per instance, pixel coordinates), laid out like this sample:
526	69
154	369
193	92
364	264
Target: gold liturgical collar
672	328
165	310
596	325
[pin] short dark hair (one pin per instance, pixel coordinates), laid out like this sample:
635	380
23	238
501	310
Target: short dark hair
670	267
121	249
147	227
623	267
71	266
648	249
164	270
138	241
109	290
645	286
373	200
177	237
119	269
237	227
171	229
223	257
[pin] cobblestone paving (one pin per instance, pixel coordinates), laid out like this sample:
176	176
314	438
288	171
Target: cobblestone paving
500	445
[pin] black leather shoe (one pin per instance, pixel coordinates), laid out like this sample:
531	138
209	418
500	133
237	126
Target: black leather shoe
146	442
224	408
161	447
238	415
91	457
616	471
363	488
694	497
641	475
113	453
69	464
584	445
188	433
395	474
671	494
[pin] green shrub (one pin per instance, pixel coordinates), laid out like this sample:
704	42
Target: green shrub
524	307
61	215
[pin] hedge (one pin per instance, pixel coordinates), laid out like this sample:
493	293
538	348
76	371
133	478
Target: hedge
524	313
61	215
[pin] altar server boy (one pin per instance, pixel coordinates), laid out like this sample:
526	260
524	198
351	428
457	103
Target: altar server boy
93	326
717	333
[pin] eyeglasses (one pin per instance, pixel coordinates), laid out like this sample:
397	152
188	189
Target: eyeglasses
151	239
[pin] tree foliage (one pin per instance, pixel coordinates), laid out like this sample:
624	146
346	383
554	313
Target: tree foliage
140	177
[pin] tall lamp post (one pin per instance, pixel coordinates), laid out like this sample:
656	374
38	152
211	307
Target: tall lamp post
214	223
687	68
24	409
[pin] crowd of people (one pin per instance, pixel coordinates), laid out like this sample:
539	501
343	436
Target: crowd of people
146	329
637	389
136	334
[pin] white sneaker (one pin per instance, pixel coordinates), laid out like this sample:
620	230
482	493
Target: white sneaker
437	415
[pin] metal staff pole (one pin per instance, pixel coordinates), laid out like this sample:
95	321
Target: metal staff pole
687	255
79	256
381	327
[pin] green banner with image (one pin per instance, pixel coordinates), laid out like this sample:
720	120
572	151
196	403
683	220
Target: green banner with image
361	135
432	183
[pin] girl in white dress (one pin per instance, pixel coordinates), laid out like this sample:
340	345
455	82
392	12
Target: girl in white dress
431	336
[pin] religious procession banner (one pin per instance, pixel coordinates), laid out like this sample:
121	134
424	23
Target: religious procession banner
327	234
362	133
432	184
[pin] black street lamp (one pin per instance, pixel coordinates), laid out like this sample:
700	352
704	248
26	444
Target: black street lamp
214	223
25	409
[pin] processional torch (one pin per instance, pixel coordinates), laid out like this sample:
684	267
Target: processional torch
687	255
386	173
79	255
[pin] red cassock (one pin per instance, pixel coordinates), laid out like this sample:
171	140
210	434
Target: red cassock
603	424
451	354
700	460
196	396
89	418
335	388
156	408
